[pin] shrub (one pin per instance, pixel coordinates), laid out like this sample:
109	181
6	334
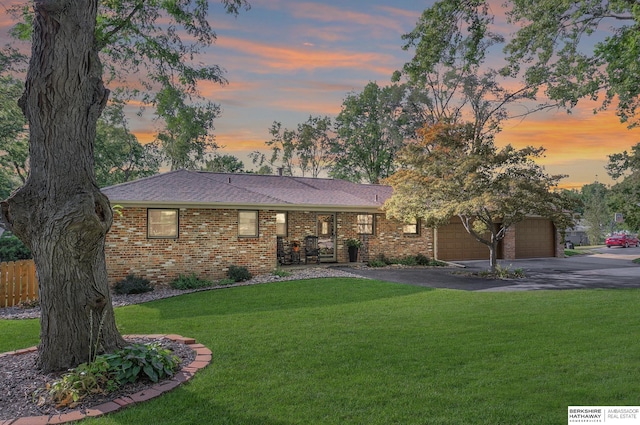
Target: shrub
423	260
132	285
134	361
108	371
226	281
73	386
238	273
12	248
281	273
407	261
381	258
376	263
189	282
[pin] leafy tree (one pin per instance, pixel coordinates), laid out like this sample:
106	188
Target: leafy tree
224	164
12	248
313	145
451	43
60	213
448	174
283	146
14	148
597	216
624	196
369	134
556	44
185	139
305	149
119	157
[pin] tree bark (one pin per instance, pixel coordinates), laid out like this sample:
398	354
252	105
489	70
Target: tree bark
60	212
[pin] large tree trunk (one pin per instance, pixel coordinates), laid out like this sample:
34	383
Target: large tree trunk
59	212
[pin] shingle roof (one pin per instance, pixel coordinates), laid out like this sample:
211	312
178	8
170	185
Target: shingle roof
184	187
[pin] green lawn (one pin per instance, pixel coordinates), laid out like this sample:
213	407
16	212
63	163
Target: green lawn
351	351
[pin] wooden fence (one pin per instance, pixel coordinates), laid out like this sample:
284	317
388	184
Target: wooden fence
18	283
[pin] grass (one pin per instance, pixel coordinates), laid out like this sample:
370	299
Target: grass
355	351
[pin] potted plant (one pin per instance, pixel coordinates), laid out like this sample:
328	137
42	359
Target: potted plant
353	245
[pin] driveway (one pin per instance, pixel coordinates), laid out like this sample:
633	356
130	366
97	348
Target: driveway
605	268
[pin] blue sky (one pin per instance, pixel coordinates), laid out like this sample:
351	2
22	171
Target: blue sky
288	59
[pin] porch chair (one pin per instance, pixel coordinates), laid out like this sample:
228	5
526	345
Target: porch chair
284	256
311	248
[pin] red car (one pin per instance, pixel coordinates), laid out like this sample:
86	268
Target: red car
624	241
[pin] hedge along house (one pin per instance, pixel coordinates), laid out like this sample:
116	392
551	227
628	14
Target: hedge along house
184	222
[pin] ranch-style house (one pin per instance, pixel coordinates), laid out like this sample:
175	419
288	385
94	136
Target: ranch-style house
183	222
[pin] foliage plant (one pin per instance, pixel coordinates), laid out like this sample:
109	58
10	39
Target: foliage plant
189	282
353	242
132	285
381	260
281	273
84	380
238	273
107	372
141	360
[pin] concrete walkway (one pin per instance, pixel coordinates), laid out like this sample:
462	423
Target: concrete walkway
605	269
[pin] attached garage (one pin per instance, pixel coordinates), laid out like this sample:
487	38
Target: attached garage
535	238
453	242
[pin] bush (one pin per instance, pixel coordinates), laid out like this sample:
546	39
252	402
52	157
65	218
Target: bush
108	371
189	282
132	285
407	261
238	273
12	248
73	386
423	260
150	360
281	273
376	263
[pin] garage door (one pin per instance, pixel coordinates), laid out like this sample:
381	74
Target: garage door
453	243
535	238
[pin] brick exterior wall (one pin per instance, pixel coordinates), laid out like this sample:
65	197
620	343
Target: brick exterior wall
208	243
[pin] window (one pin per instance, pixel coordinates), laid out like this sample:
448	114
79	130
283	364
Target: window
411	227
281	224
248	223
162	223
365	224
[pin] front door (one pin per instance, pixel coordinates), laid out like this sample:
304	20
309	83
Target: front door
326	224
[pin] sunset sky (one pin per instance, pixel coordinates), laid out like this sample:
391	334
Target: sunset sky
288	59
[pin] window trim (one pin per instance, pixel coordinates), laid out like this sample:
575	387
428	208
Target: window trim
372	224
415	223
163	236
286	224
257	224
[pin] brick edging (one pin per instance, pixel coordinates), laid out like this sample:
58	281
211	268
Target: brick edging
202	360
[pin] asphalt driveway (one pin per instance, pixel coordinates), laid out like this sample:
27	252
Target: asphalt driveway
606	268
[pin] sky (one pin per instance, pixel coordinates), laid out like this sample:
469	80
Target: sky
286	60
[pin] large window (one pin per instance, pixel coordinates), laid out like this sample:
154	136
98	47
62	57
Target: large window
411	227
281	224
248	223
162	223
365	224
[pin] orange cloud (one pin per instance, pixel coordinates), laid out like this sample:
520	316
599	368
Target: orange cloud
325	13
266	58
